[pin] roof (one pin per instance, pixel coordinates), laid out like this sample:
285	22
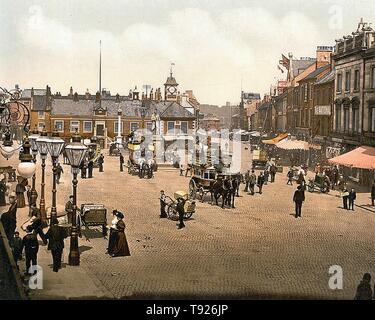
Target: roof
326	78
210	117
171	81
362	157
26	93
129	108
39	103
301	65
317	72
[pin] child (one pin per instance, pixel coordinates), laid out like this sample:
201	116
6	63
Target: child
162	204
17	247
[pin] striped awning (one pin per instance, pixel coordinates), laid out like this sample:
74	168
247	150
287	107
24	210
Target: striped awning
289	144
362	158
276	139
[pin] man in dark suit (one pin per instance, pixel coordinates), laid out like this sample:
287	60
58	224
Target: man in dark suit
181	212
31	245
373	194
90	167
9	219
100	162
121	162
352	196
299	198
56	236
260	182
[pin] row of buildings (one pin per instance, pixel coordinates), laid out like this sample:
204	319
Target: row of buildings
98	115
328	100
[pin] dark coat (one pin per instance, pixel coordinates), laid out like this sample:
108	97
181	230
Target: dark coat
299	196
352	196
373	191
364	291
30	243
121	159
56	236
9	220
3	189
261	180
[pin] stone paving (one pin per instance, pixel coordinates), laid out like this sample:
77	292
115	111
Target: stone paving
258	250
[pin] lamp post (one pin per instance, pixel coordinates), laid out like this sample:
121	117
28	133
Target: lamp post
34	149
55	146
7	149
75	151
119	126
26	167
42	143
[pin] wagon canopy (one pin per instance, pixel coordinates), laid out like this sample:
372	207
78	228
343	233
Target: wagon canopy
362	157
276	139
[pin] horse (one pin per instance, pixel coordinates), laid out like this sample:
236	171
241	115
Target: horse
220	188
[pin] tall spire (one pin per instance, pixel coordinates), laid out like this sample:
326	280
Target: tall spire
171	71
100	67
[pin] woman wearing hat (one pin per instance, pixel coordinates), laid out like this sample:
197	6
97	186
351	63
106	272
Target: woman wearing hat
121	247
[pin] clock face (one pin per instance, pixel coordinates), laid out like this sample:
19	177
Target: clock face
172	90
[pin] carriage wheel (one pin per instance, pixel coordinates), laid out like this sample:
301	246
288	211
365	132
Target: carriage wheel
172	212
188	215
310	187
192	190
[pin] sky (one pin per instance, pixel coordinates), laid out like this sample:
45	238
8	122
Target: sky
218	47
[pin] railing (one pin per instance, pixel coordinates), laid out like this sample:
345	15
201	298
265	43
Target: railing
11	287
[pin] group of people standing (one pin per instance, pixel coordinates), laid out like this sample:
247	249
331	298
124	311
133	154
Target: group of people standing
251	179
87	166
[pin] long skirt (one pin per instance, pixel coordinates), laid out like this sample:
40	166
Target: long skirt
21	200
121	247
112	240
2	199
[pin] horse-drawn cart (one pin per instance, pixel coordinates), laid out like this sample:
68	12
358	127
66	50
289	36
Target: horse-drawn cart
94	215
141	160
189	206
201	183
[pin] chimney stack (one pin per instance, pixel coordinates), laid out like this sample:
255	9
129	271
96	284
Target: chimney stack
323	56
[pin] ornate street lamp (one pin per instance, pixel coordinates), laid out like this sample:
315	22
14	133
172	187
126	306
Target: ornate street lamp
7	149
42	145
75	152
27	167
34	149
55	146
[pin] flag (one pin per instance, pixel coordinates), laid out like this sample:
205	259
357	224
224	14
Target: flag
284	61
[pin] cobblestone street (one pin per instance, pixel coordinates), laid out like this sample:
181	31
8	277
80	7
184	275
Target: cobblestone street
257	250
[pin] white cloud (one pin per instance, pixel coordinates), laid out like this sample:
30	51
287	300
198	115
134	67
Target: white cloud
212	53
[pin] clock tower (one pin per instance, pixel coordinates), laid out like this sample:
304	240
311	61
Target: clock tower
170	88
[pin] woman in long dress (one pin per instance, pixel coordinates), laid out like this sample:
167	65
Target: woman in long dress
112	233
20	190
121	247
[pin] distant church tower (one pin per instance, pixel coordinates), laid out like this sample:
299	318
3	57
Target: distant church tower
170	87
